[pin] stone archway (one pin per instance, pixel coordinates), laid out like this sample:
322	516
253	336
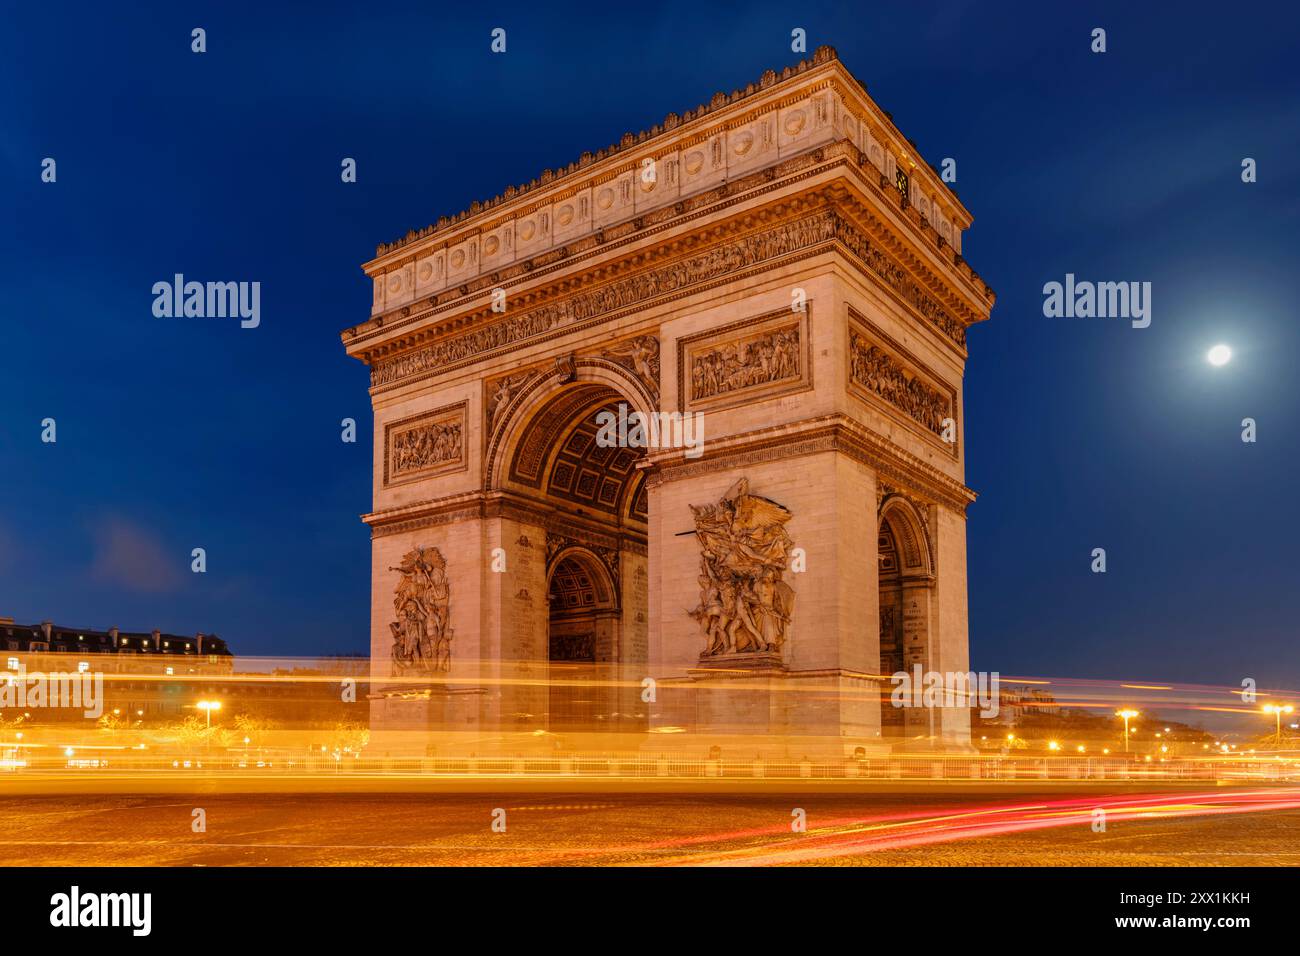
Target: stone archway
496	334
515	404
583	633
588	501
555	456
906	582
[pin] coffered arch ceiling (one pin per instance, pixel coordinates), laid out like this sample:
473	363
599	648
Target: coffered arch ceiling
558	456
579	584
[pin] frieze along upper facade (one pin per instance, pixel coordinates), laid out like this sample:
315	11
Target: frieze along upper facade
791	280
725	258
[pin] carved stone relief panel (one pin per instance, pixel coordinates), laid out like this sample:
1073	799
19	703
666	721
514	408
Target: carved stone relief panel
499	392
745	605
641	357
882	371
745	362
573	647
421	600
421	446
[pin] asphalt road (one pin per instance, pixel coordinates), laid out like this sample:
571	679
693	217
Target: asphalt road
1045	828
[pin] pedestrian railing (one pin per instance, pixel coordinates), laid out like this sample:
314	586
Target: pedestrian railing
905	768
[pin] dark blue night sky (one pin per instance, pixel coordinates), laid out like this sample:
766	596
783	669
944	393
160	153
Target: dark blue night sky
1081	433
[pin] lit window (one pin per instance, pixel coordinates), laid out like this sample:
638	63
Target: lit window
13	664
900	180
83	666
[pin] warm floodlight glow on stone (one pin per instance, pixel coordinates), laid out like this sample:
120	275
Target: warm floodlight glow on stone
1219	355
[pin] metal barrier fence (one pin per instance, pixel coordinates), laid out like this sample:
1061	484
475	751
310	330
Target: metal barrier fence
900	768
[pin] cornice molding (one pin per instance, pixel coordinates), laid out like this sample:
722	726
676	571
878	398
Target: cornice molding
528	272
513	506
724	253
969	295
811	437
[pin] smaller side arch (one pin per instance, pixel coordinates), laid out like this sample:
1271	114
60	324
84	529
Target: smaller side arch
916	552
574	571
583	636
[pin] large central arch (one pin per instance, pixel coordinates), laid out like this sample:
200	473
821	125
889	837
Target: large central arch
553	399
591	499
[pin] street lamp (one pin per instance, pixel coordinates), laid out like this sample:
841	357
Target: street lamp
1277	710
208	706
1127	715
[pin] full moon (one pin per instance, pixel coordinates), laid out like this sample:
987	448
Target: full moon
1219	355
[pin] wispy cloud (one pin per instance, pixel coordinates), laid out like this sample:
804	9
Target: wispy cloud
134	558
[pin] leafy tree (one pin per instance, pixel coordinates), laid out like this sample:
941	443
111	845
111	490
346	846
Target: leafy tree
111	723
252	727
349	735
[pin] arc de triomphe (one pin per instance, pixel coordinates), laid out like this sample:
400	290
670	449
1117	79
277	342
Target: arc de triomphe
779	264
